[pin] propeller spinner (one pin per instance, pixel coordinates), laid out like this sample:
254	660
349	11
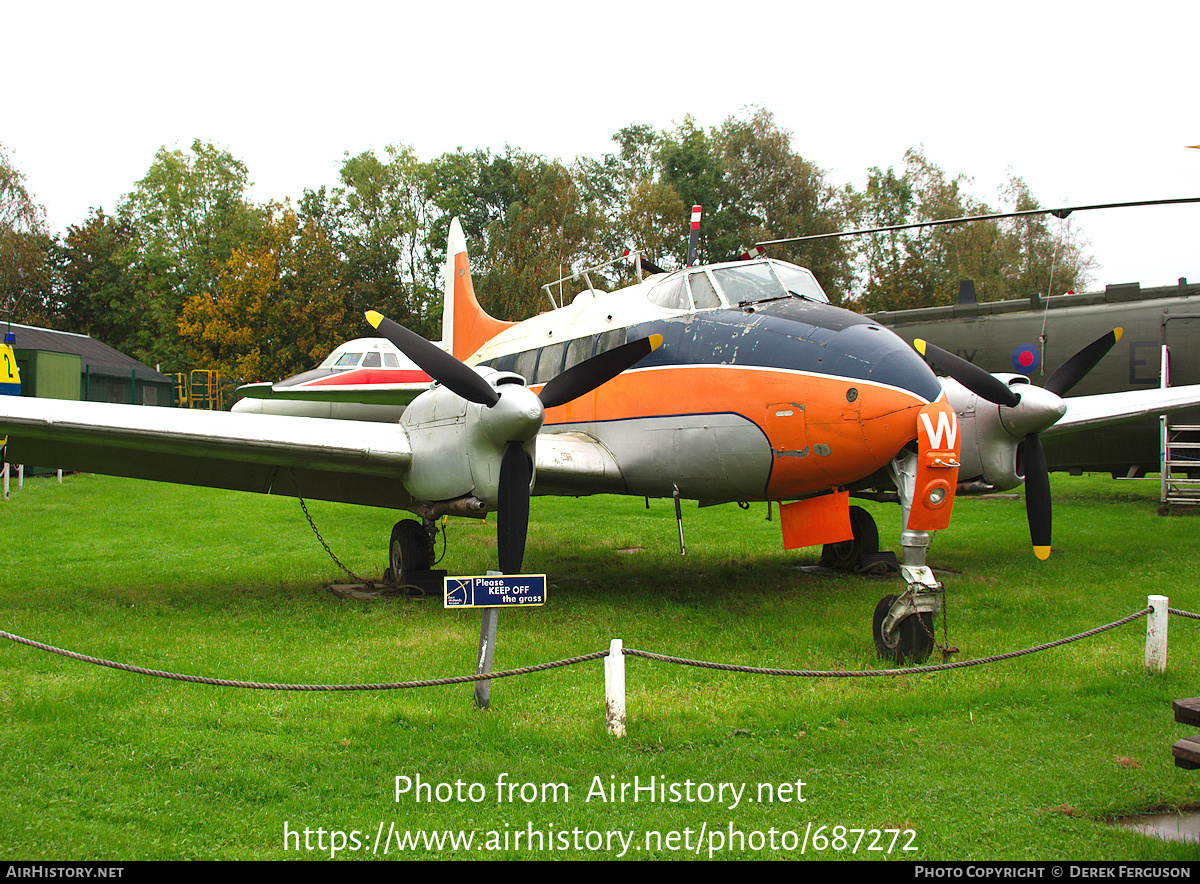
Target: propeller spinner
512	416
1024	415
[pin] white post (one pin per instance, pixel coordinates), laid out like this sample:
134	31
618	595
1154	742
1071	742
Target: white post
20	476
60	477
5	471
1156	633
614	688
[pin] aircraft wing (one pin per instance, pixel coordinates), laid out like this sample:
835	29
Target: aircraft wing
1108	408
349	461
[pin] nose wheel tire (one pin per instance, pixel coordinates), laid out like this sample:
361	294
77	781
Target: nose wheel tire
912	640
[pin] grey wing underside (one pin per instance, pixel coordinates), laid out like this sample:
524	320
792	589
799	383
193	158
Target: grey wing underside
361	462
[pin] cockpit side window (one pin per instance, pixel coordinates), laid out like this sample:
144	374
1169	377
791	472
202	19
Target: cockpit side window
390	360
671	293
703	293
577	351
372	360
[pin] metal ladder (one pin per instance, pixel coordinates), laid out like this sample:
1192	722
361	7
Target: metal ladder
1180	454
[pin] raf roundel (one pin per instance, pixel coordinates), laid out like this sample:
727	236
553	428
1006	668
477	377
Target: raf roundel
1026	359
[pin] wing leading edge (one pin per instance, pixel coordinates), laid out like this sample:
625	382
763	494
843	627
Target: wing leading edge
1110	408
348	461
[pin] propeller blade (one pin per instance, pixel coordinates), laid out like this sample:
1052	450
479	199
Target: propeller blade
512	515
591	373
971	376
1073	370
1037	496
435	361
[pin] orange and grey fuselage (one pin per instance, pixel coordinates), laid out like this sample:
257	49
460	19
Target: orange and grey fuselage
776	401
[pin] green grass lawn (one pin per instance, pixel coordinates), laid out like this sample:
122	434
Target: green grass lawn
1024	759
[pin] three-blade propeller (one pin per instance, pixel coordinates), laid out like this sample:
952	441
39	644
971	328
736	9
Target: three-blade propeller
522	424
1041	414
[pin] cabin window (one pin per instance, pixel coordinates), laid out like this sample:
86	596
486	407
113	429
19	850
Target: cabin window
525	363
610	339
372	360
577	351
550	365
671	293
703	293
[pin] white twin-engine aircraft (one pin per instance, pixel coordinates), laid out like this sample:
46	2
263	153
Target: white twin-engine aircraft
728	382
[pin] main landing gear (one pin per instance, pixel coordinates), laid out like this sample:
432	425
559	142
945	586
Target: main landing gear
849	554
411	556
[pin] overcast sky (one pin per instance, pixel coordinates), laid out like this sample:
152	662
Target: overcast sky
1088	103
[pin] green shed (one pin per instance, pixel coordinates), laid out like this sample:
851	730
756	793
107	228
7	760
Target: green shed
65	365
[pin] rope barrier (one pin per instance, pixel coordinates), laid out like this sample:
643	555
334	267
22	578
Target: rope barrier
866	673
571	661
264	686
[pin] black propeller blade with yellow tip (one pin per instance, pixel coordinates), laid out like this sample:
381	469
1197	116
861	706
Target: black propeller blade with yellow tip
1037	417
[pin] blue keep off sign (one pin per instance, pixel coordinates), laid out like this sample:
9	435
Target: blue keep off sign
495	591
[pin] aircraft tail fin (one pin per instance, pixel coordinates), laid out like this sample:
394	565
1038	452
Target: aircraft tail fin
465	325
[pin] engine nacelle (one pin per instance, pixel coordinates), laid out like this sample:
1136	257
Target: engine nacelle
457	446
992	434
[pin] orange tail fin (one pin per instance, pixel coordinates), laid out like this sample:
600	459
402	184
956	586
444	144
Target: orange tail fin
465	325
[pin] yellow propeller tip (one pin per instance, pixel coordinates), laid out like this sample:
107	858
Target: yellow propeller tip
920	345
1042	552
374	318
1118	332
655	342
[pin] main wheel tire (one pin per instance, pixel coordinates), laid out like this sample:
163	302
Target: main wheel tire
410	549
847	555
912	641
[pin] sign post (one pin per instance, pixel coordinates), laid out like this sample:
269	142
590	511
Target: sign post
491	593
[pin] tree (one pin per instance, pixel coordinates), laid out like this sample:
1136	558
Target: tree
278	307
923	267
28	255
548	232
775	193
751	184
383	209
106	286
191	211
